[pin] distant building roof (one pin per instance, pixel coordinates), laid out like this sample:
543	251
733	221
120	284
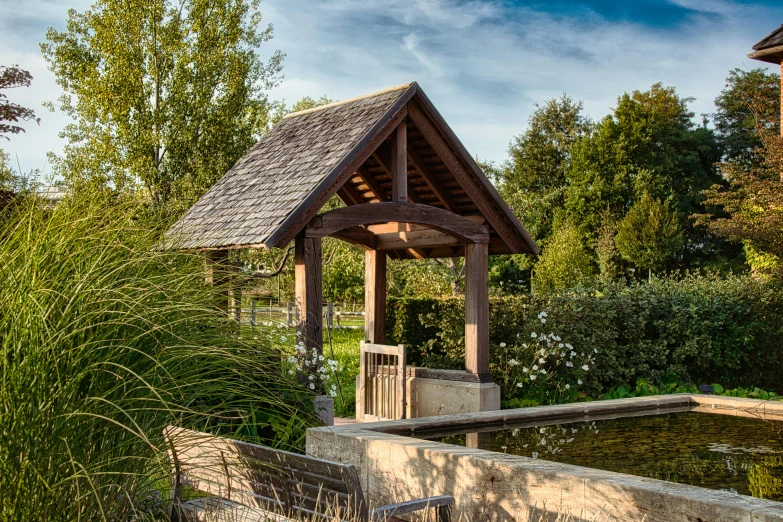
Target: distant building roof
770	48
52	194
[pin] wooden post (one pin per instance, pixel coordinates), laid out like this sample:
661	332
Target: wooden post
217	274
399	163
252	312
289	313
309	301
329	314
477	310
236	302
375	296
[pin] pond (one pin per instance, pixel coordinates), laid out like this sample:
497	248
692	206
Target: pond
716	451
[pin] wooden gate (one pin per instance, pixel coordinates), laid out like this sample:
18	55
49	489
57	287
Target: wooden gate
381	382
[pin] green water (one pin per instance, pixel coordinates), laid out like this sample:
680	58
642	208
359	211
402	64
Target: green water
743	455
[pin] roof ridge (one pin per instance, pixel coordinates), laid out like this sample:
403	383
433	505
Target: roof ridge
350	100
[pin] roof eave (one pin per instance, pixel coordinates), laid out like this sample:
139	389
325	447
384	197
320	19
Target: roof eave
770	55
464	155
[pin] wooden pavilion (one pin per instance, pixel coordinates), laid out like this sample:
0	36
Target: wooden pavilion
770	50
411	191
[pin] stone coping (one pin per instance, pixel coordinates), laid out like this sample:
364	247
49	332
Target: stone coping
393	464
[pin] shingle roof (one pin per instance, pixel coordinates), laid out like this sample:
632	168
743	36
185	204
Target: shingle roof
773	39
276	175
272	192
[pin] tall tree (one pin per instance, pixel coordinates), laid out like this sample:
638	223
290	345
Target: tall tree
564	262
650	234
750	102
648	144
534	177
165	95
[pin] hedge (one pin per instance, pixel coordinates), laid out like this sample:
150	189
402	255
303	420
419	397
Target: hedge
692	329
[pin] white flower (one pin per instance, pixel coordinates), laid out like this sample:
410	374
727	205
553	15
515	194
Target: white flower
502	345
292	359
541	361
525	369
573	354
291	372
568	386
535	367
533	335
543	314
283	337
595	350
543	320
532	377
568	345
310	377
579	381
585	367
312	386
513	362
519	385
560	345
543	371
569	364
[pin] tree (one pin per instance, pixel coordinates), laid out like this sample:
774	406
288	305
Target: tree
534	177
165	95
650	234
648	144
750	100
10	78
564	262
754	203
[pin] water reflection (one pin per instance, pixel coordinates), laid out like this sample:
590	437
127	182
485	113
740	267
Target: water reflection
736	454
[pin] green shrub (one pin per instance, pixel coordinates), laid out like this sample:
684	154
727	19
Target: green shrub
104	342
691	330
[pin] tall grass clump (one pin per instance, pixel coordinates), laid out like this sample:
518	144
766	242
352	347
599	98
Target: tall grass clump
105	340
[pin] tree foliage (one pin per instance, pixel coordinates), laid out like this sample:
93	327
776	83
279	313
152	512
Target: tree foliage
536	174
12	113
750	101
165	95
564	262
650	234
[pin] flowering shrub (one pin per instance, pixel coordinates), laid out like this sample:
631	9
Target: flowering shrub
319	372
690	329
543	368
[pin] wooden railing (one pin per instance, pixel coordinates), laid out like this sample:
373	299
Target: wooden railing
266	314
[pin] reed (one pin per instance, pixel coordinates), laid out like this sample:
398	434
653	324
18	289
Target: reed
105	340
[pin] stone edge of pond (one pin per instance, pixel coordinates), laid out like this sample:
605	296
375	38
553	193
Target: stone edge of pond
393	466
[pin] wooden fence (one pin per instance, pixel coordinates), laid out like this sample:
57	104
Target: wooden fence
268	314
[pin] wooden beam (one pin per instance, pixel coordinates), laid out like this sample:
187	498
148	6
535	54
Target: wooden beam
309	300
416	239
477	190
375	296
217	273
399	163
348	196
358	236
383	156
371	182
477	310
374	213
432	180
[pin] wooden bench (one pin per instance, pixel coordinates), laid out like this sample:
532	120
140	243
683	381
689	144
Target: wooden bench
248	482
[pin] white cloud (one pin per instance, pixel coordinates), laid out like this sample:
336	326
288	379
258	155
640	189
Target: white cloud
483	63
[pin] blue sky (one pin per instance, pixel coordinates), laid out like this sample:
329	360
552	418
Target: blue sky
484	63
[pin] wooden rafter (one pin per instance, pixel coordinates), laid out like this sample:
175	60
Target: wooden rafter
431	179
482	194
371	182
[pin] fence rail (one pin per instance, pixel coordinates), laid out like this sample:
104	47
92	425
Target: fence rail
334	318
